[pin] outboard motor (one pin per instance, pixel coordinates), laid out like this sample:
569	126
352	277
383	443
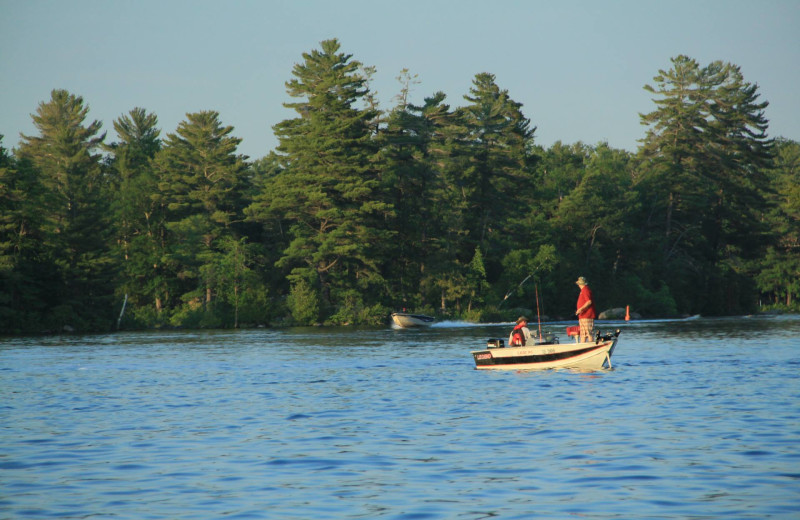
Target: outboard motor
606	337
495	343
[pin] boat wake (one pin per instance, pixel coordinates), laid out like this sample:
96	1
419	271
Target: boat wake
452	324
456	324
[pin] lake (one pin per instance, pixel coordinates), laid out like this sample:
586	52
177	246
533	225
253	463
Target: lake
698	419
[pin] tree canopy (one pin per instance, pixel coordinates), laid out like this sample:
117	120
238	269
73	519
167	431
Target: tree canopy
360	210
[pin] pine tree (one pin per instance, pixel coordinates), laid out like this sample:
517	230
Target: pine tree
412	176
202	184
328	193
778	269
593	222
138	217
475	169
496	171
20	292
74	208
476	280
560	170
701	164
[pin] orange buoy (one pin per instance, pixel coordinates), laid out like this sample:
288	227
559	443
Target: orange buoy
627	313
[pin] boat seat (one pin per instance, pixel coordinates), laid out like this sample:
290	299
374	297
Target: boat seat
574	331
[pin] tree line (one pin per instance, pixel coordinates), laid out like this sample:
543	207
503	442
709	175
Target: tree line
360	211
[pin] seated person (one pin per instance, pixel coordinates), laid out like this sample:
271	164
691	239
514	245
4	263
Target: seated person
521	333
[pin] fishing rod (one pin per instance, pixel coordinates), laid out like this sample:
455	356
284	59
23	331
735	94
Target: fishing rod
538	314
515	288
538	311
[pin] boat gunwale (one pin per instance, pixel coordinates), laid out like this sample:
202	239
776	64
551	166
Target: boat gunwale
568	357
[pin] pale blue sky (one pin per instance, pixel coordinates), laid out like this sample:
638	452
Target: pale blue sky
578	67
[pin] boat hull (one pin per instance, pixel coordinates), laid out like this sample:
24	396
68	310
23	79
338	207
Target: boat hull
405	320
586	356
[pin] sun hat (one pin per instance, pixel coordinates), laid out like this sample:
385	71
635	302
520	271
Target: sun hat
521	319
581	281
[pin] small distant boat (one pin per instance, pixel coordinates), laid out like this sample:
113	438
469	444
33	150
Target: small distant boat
406	320
591	355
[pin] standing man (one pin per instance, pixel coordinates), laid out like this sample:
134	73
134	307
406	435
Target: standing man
585	312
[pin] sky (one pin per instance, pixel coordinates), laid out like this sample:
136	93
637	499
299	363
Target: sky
577	66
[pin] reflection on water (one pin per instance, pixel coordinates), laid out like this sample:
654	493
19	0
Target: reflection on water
698	419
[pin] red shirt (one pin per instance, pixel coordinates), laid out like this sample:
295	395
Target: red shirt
585	296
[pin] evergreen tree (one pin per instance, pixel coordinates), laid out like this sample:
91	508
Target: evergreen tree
496	176
271	236
488	173
594	224
26	274
422	206
701	164
559	171
778	270
476	280
19	298
413	180
441	207
328	193
138	217
74	232
10	196
241	296
202	184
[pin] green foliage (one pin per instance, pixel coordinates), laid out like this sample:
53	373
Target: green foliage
658	302
139	214
412	141
68	191
779	276
446	210
328	193
489	169
778	271
488	314
304	303
525	273
16	212
702	168
476	280
202	184
192	314
353	311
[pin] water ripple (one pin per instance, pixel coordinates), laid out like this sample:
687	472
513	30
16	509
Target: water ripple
332	424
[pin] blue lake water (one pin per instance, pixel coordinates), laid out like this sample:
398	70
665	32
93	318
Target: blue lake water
698	419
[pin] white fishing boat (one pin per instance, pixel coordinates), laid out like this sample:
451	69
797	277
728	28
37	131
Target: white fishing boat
540	355
406	320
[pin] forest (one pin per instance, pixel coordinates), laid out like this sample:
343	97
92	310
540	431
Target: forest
453	211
